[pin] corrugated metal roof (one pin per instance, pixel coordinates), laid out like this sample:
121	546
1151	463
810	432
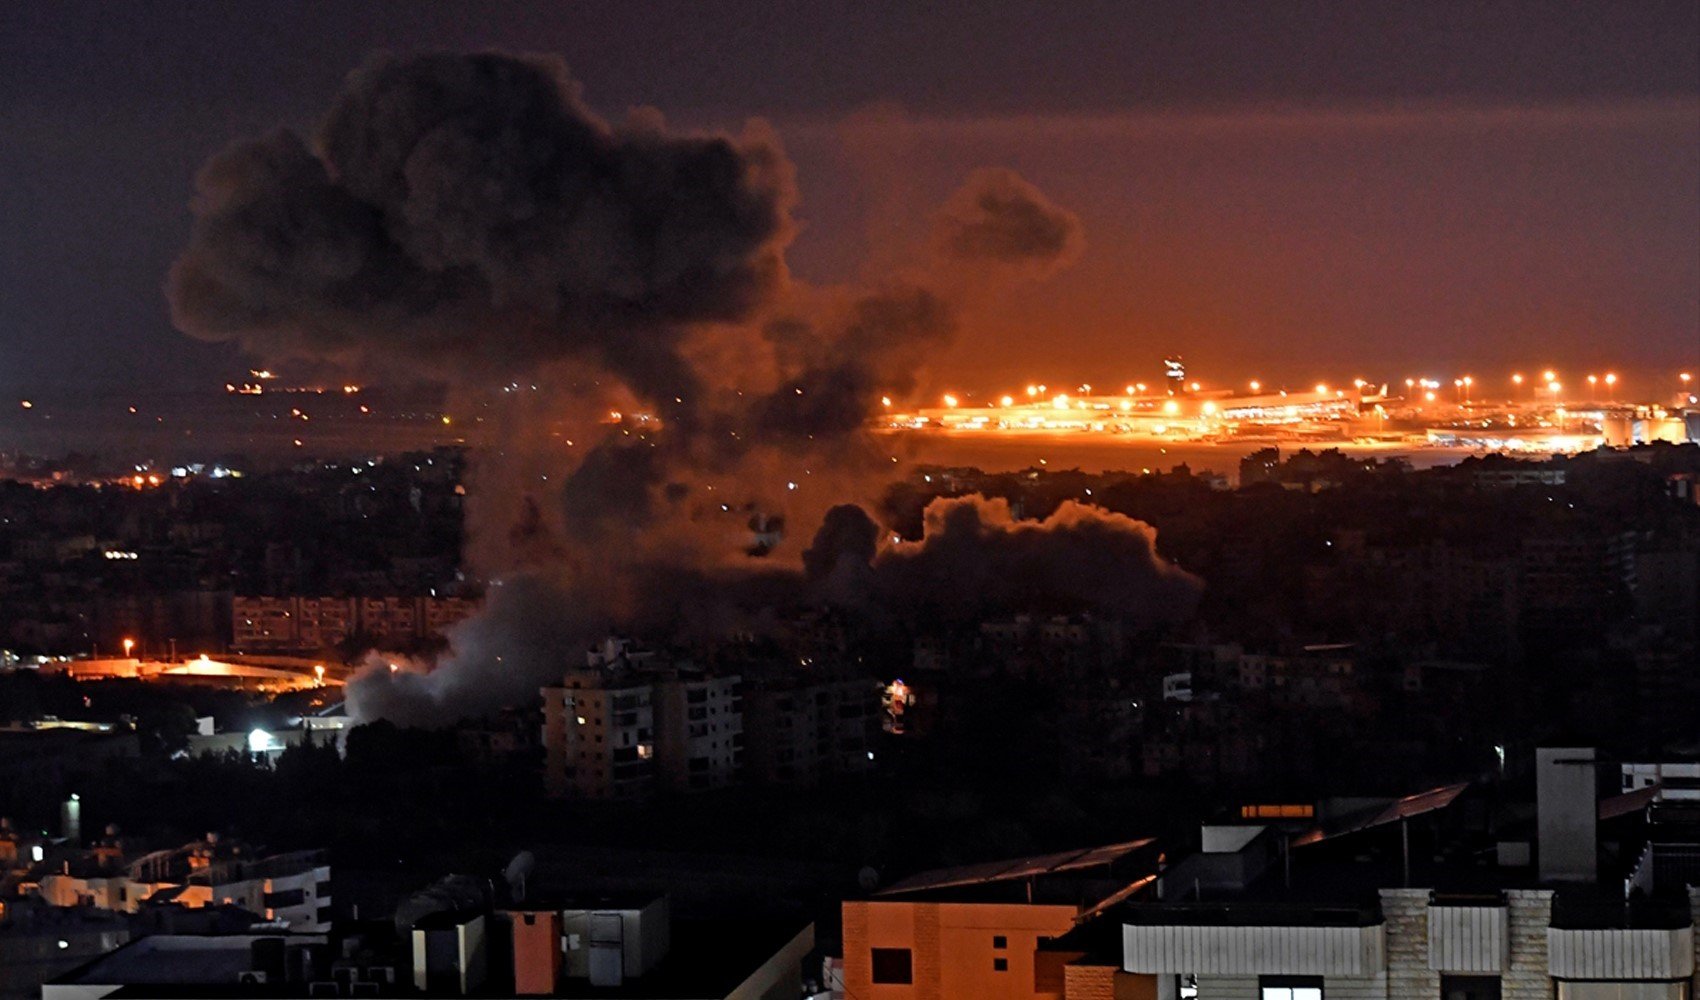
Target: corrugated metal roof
1016	868
1405	808
1629	802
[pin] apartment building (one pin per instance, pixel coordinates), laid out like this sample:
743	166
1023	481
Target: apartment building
307	624
700	720
599	734
802	729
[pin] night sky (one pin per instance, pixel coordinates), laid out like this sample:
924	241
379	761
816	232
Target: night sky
1284	190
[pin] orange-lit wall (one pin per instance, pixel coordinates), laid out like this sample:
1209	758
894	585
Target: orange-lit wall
1106	982
951	948
537	951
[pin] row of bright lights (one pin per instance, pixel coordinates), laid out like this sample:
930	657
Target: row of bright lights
1549	378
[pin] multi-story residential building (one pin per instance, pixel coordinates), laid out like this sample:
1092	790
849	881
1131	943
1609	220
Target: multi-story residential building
633	721
599	732
699	721
310	624
800	730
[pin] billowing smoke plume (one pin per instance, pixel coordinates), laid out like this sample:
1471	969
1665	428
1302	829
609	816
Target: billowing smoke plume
998	218
975	560
699	413
469	215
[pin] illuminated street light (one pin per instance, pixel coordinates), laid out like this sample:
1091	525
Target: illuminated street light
129	644
950	400
1006	401
1256	385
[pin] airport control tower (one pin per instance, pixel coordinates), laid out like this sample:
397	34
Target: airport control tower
1174	371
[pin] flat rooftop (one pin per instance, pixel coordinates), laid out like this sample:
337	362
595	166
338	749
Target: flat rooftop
177	960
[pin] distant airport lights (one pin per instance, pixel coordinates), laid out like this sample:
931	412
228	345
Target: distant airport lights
1463	389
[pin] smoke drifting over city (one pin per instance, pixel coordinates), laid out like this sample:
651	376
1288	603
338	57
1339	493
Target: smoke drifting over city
699	412
997	217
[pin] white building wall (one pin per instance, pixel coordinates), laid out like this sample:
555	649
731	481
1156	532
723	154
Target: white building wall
1295	951
1616	953
1468	939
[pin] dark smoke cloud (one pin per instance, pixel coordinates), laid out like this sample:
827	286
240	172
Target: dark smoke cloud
874	345
468	218
847	536
998	218
975	561
468	214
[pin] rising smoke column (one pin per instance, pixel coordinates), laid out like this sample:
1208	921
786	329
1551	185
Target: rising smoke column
469	219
